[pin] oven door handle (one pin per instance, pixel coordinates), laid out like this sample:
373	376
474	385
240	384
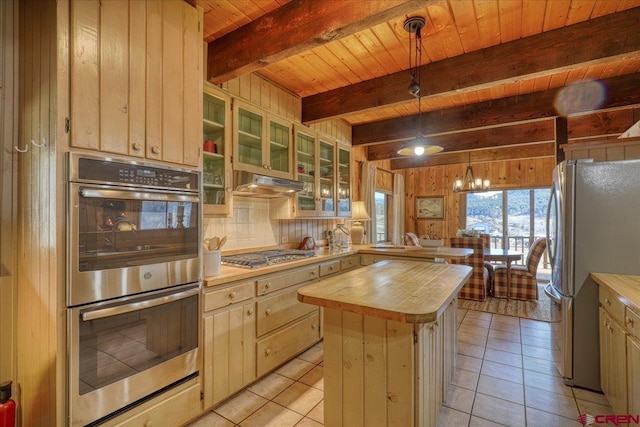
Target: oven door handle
87	316
97	193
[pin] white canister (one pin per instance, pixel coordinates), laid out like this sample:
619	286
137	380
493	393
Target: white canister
211	263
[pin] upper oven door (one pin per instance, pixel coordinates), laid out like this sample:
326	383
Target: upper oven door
124	241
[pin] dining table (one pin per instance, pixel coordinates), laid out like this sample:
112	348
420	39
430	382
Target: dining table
503	255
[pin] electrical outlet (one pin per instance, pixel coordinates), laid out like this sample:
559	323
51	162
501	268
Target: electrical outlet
285	239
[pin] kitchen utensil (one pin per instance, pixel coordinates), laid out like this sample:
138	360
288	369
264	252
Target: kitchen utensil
213	243
221	242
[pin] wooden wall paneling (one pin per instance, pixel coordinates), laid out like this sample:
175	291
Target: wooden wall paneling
8	186
172	85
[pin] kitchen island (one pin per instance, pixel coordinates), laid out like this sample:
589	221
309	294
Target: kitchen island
389	341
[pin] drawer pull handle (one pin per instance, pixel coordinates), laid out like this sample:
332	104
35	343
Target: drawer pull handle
137	146
331	268
630	321
232	295
313	326
267	352
250	311
155	149
268	285
267	312
313	273
606	301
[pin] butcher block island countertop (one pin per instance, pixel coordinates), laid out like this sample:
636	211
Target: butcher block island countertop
389	341
403	291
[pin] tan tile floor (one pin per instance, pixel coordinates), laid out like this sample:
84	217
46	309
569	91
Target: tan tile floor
505	377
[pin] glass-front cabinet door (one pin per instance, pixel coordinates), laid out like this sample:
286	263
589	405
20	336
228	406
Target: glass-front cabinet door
216	166
263	141
344	182
279	160
327	178
306	143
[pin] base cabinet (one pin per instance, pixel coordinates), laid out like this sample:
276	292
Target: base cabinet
615	377
633	372
229	354
385	373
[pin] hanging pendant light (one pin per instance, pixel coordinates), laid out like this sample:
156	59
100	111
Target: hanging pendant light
419	145
470	184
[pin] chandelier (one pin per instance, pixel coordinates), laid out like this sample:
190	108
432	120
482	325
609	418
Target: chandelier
470	184
419	145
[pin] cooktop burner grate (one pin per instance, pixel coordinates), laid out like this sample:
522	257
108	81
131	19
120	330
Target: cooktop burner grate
264	258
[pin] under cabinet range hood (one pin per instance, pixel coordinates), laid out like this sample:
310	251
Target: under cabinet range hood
254	185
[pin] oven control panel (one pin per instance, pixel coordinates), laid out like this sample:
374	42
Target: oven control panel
120	173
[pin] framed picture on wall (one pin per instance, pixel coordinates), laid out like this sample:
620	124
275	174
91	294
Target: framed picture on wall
430	207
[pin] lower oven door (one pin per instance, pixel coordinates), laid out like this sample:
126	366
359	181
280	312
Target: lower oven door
125	351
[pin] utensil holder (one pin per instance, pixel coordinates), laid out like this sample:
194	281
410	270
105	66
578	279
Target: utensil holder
211	263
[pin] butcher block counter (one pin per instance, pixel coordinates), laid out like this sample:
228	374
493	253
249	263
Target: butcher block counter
389	341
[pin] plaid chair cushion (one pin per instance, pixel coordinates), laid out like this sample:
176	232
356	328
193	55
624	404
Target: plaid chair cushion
524	285
410	239
476	286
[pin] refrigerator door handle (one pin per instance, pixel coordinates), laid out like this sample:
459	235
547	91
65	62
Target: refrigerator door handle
552	293
551	250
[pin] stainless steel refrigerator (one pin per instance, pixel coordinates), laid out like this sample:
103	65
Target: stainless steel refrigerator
593	225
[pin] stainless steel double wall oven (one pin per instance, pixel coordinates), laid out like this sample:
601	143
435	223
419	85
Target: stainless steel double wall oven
133	283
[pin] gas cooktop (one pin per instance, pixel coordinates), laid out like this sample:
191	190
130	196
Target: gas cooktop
265	258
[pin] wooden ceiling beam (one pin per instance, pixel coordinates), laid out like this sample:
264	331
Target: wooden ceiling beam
297	26
568	48
545	149
621	91
530	132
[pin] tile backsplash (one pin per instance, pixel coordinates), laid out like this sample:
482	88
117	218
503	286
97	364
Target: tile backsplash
251	227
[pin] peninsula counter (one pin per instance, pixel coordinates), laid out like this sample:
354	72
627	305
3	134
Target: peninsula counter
389	341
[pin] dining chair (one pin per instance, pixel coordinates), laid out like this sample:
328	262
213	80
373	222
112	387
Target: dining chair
410	239
486	241
477	285
524	285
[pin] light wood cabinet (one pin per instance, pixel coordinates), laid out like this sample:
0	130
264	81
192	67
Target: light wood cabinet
613	354
316	166
344	181
135	79
632	323
262	141
216	154
229	353
402	380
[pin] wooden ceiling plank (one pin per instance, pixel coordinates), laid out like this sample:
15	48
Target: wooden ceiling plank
506	62
510	20
465	20
621	91
487	15
579	11
533	17
293	29
555	15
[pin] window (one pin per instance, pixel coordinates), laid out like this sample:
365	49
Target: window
382	217
513	218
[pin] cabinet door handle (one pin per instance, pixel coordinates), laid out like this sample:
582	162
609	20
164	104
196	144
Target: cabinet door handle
155	149
232	295
136	146
267	352
630	321
267	312
267	285
250	312
606	301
